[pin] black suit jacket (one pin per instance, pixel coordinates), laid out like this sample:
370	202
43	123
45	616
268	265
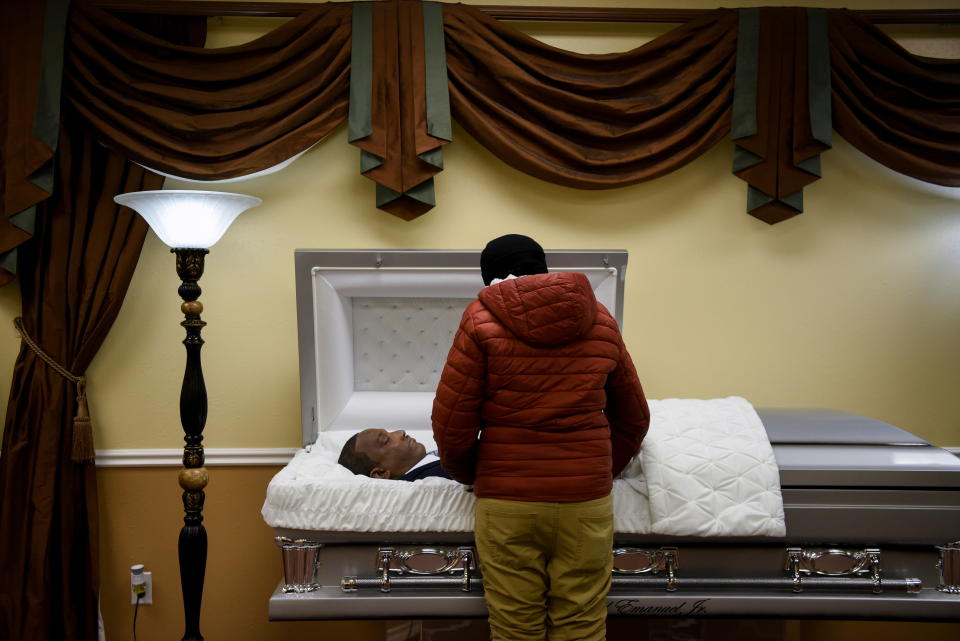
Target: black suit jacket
430	469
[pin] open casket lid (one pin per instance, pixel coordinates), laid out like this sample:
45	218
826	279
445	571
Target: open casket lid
375	326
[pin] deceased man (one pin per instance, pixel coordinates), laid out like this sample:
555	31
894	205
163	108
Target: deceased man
389	455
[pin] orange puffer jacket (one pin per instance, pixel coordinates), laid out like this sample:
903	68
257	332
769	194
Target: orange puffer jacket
539	400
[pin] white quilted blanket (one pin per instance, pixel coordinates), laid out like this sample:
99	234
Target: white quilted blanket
706	469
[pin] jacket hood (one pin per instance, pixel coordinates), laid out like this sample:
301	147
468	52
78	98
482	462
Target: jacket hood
543	309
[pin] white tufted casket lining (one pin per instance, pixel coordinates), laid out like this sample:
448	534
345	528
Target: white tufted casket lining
401	344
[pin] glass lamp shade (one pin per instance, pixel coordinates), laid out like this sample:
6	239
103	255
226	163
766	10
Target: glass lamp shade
185	218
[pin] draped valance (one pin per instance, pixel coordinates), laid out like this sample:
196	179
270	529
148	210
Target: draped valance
776	80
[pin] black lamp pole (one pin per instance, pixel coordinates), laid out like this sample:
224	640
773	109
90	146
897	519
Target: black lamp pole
192	545
198	218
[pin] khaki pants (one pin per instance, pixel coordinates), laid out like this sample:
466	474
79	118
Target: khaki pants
546	567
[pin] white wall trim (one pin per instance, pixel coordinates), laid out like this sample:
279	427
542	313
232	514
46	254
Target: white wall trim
214	456
221	456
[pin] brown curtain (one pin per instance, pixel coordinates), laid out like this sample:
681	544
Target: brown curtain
74	274
209	114
73	277
592	121
900	109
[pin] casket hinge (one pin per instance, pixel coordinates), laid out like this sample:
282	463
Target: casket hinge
874	558
672	563
466	560
383	564
794	559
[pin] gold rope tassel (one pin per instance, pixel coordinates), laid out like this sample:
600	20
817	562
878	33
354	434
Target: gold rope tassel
82	451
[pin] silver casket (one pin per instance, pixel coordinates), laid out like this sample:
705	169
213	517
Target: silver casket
871	512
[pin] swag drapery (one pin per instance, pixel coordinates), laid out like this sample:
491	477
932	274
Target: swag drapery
585	121
777	80
73	278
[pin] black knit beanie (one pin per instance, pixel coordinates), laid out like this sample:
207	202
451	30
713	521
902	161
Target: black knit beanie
512	254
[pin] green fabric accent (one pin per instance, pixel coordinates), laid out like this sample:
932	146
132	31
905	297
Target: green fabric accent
25	220
794	200
434	157
818	61
757	198
369	161
46	116
360	122
811	165
424	192
43	177
743	159
439	124
744	121
386	195
8	260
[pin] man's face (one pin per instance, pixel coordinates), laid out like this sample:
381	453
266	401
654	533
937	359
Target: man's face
393	452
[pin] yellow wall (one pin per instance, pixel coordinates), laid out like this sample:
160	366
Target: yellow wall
854	305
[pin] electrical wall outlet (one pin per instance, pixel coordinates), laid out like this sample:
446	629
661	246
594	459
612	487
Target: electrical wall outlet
145	580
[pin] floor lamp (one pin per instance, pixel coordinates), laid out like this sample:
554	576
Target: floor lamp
190	222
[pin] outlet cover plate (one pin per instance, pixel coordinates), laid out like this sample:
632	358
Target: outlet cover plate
147	598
